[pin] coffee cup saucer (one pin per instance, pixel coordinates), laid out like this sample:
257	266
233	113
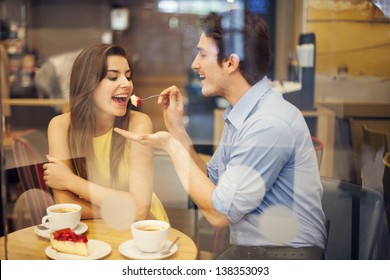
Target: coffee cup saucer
80	229
129	250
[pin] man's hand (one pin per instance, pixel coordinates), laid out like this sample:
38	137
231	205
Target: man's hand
172	103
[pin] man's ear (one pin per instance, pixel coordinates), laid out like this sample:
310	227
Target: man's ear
233	62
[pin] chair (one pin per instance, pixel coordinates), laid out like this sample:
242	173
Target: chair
167	184
212	240
29	150
356	219
386	186
30	207
175	199
182	213
375	173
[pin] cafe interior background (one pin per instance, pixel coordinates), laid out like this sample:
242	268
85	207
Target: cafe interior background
340	82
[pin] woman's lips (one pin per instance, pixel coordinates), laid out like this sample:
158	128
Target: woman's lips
120	98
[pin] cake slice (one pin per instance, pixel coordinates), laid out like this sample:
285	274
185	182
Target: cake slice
67	241
135	100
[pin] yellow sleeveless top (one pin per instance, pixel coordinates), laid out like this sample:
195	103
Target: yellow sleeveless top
101	146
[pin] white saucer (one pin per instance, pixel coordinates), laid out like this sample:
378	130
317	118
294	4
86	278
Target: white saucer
96	250
129	250
80	229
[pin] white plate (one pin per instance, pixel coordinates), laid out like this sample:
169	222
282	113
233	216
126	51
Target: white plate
96	250
80	229
129	250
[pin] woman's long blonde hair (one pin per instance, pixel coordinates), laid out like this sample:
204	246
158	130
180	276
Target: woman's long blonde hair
89	68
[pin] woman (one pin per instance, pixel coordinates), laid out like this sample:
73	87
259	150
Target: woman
88	162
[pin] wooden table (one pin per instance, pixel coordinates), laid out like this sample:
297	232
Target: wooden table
356	108
26	245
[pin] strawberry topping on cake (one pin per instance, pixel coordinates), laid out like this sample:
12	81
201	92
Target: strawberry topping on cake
67	241
135	100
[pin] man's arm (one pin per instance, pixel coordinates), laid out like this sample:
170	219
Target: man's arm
193	178
172	103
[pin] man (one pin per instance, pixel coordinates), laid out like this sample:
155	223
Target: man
265	157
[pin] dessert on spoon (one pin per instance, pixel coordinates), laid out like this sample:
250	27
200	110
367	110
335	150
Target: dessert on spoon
136	100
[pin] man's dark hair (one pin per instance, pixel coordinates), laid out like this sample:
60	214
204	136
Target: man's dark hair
242	33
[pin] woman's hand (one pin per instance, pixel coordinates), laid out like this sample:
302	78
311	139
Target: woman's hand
57	174
160	139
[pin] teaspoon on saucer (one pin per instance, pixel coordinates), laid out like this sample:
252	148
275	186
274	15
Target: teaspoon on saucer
41	227
167	251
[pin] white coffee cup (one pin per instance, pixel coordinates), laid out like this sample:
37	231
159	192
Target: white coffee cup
150	235
63	215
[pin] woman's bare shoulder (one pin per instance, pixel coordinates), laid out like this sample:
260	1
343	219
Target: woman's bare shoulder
140	122
139	116
60	122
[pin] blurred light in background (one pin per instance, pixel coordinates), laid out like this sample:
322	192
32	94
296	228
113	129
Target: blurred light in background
198	7
119	18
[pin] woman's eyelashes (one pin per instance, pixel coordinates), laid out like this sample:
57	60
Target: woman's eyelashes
116	78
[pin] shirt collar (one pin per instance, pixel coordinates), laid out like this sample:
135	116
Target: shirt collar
238	114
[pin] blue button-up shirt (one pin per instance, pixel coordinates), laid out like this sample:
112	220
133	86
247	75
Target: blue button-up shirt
266	158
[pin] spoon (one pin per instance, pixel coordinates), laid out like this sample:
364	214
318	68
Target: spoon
42	227
146	98
167	251
136	100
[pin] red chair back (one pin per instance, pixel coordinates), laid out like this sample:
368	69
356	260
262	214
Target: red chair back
29	149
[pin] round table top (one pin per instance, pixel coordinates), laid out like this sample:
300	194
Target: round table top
25	244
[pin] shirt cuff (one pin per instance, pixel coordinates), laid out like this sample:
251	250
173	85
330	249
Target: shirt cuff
222	198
